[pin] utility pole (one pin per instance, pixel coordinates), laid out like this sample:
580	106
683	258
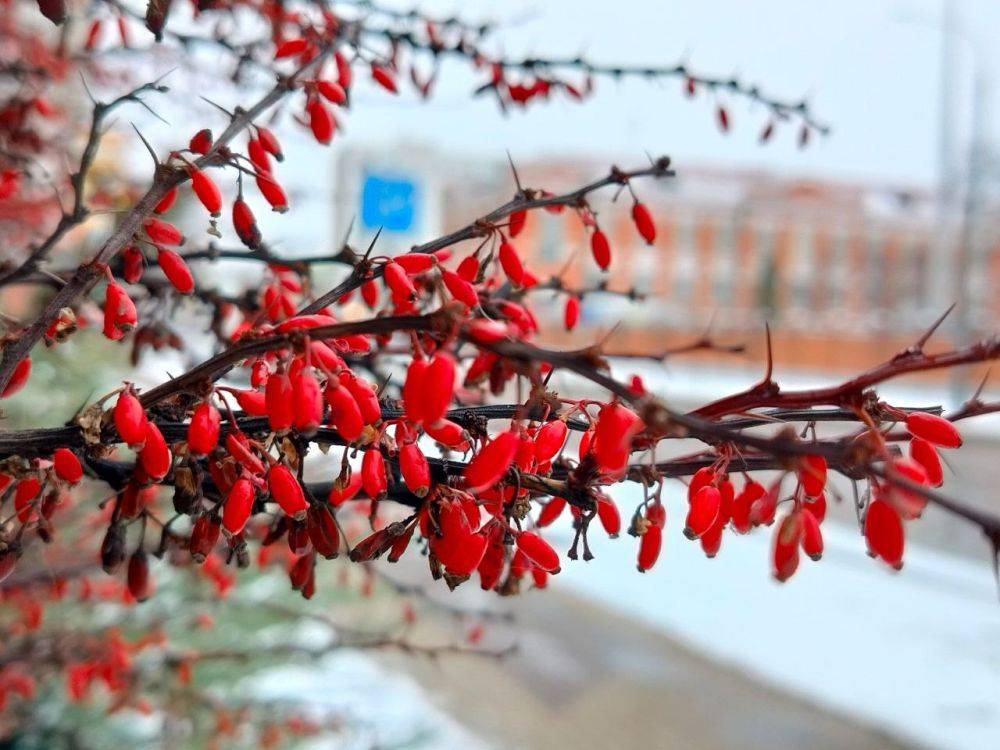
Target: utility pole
941	268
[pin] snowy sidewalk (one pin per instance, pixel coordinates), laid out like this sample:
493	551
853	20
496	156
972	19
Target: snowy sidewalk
916	653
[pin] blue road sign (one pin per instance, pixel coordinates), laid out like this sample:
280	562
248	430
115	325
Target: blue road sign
389	201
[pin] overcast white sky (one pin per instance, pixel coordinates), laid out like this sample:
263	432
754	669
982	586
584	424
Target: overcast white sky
870	67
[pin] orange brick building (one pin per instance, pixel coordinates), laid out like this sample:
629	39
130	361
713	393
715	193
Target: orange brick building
843	273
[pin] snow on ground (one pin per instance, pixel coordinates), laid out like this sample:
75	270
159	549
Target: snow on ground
380	708
917	653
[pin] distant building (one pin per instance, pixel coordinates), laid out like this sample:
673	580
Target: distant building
842	272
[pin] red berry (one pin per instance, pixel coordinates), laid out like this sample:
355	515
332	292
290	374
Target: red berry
516	222
155	455
702	512
207	191
489	465
373	473
67	465
812	474
167	201
884	533
539	551
176	270
571	313
600	249
18	378
511	263
649	547
934	429
162	232
130	418
785	550
203	432
307	402
286	491
239	503
644	222
384	78
415	469
245	224
924	453
550	439
201	142
279	399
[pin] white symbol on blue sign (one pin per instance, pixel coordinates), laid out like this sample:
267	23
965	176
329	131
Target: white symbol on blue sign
389	202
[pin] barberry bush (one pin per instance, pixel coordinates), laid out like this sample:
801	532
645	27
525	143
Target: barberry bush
436	408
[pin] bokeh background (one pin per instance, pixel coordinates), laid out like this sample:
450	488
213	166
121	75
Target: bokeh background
848	248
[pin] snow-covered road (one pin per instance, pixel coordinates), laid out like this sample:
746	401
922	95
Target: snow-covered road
915	652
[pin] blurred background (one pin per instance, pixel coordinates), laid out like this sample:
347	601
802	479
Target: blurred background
848	248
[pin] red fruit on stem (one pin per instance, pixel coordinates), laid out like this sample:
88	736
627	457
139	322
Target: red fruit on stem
373	477
414	388
203	432
340	495
239	503
934	429
924	453
644	222
18	378
137	578
67	465
155	455
120	315
884	533
167	201
286	491
612	444
785	550
650	544
162	232
384	78
610	518
280	401
269	142
253	403
272	192
812	536
812	474
130	418
201	142
332	92
321	121
440	385
702	512
571	313
258	155
460	289
345	414
551	511
289	48
176	270
307	402
245	224
511	263
722	117
550	439
516	222
816	507
133	264
415	469
489	465
539	551
206	190
600	249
